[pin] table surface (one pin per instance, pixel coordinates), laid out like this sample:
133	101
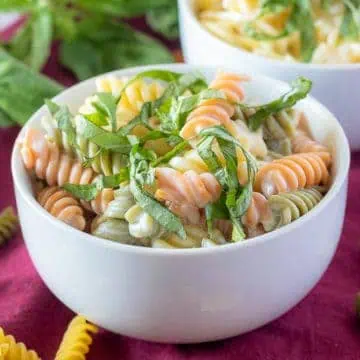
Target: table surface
322	326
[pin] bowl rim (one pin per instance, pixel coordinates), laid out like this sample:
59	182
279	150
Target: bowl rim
31	202
300	66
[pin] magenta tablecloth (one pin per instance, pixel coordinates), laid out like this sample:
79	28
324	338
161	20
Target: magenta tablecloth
323	326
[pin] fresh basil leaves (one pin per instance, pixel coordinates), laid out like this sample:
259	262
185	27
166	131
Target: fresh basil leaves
236	197
300	88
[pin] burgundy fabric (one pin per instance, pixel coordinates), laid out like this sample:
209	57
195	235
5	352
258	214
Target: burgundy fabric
322	326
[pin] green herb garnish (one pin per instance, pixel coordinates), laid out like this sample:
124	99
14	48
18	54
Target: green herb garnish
300	88
89	192
139	177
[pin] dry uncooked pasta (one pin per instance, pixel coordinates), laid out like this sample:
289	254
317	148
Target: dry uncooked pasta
10	349
330	28
8	224
170	161
77	340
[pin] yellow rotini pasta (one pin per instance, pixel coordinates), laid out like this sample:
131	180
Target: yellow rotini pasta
133	98
77	340
8	224
12	350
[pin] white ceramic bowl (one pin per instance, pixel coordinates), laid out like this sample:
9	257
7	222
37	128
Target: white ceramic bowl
192	295
336	86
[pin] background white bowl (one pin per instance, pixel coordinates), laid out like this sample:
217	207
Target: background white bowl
191	295
336	86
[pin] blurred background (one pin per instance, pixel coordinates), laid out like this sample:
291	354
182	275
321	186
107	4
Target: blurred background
70	41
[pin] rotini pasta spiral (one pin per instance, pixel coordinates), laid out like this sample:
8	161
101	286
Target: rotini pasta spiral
103	162
8	224
185	193
190	160
257	213
195	236
292	173
217	111
141	224
12	350
134	97
57	168
77	340
112	229
287	207
123	201
63	206
302	143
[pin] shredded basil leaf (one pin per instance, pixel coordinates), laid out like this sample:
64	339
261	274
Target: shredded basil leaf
350	26
89	192
169	155
300	88
139	167
238	197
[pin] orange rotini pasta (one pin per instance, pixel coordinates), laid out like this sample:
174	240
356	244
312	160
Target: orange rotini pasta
257	213
63	206
293	172
58	168
186	193
301	143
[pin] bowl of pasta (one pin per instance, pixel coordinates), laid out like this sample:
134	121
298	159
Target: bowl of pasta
317	39
181	204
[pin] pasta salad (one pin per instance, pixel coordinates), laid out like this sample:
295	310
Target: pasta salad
166	160
316	31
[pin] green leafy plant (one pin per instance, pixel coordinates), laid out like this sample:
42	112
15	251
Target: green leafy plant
22	91
94	38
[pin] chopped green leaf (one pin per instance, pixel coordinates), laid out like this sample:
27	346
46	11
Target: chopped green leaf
101	137
350	27
107	102
169	155
86	192
238	197
97	118
300	88
141	119
89	192
139	167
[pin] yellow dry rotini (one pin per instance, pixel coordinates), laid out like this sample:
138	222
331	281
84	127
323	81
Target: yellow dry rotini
77	340
10	349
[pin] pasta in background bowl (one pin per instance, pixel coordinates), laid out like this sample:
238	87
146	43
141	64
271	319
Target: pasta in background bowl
335	69
174	295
